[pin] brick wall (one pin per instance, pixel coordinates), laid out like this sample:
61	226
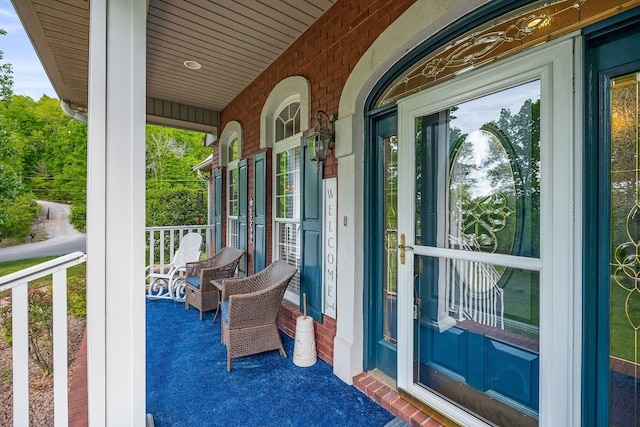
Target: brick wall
324	332
325	55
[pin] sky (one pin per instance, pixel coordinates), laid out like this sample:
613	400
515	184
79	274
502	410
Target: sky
29	78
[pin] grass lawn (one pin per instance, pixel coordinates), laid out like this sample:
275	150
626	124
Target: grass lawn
76	281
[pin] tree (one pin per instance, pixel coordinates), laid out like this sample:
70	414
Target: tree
173	190
43	153
16	215
6	77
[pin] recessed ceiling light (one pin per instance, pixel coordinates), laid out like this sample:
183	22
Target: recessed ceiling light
192	65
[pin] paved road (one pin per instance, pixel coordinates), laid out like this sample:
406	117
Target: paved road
62	238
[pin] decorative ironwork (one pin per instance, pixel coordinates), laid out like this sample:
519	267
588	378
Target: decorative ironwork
533	24
625	130
626	263
473	48
482	218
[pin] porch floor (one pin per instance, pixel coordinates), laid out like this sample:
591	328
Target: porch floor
188	384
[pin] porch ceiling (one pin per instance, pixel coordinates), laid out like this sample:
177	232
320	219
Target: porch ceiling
234	41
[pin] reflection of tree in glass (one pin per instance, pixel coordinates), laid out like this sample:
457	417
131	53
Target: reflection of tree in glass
483	165
624	119
482	193
523	131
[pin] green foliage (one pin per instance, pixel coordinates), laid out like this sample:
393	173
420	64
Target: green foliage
167	207
41	328
6	78
174	193
17	214
171	155
43	155
77	293
41	311
78	217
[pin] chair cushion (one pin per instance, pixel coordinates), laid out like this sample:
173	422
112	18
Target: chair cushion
194	281
161	269
224	307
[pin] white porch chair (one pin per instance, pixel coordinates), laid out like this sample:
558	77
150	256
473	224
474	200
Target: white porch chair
167	281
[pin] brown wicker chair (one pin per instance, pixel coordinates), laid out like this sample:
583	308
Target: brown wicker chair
250	310
199	292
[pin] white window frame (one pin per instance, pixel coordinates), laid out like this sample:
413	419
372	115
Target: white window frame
232	166
231	132
560	263
291	142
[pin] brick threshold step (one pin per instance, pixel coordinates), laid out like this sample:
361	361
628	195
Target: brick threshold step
388	398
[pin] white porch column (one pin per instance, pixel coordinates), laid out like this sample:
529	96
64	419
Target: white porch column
115	213
348	344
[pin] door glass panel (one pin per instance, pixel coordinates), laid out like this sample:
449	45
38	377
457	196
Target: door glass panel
488	155
389	290
478	194
625	262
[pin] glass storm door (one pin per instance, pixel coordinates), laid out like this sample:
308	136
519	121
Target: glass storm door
471	192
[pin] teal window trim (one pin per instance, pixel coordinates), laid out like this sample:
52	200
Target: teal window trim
243	175
260	211
311	245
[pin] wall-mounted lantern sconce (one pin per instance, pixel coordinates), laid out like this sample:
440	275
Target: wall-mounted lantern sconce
321	139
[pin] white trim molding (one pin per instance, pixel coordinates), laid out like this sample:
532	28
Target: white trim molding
422	20
291	86
231	130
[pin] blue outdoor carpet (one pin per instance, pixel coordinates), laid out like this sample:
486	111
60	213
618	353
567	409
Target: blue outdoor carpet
188	383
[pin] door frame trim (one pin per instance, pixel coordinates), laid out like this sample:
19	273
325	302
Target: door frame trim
372	223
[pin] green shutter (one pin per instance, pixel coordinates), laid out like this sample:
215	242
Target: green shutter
217	214
311	235
242	215
259	212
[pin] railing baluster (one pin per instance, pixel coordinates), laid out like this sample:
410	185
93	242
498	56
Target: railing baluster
172	243
20	336
161	242
60	356
18	284
151	247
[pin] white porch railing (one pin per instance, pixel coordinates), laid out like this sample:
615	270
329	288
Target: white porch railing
162	242
18	284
